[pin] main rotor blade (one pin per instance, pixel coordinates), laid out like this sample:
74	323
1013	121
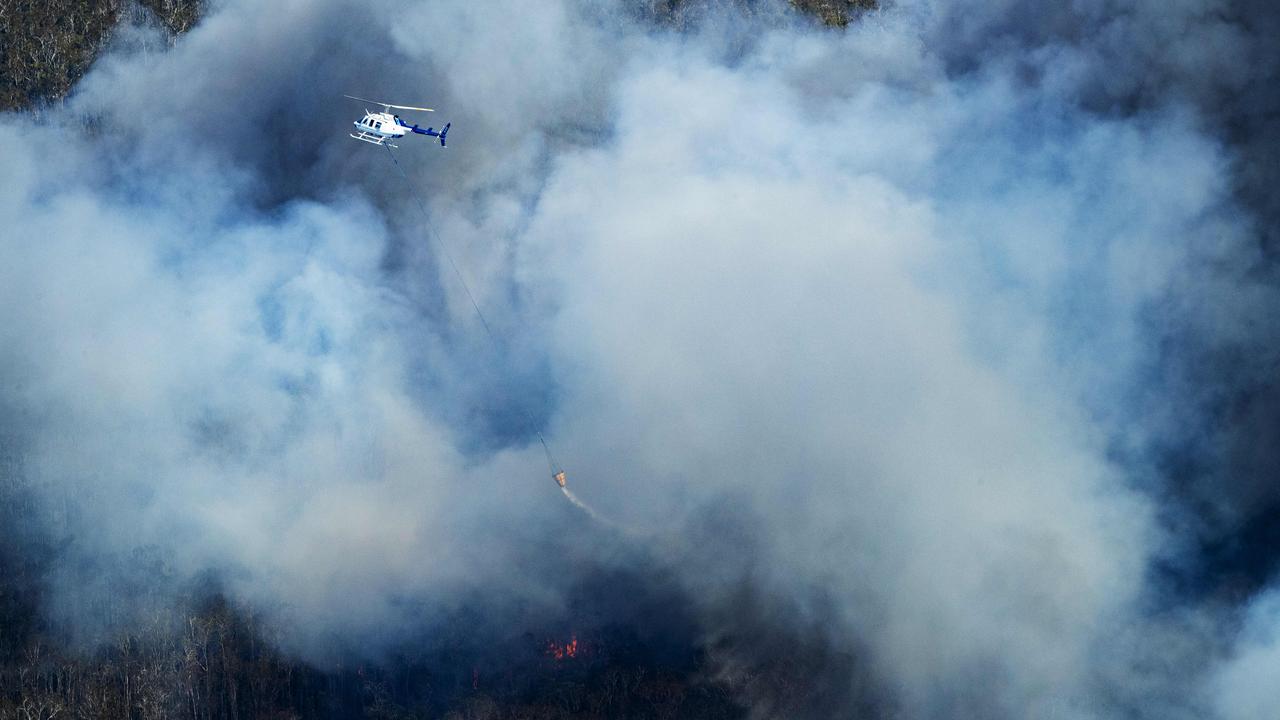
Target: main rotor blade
389	105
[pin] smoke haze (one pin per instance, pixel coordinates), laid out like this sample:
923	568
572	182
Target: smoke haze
944	341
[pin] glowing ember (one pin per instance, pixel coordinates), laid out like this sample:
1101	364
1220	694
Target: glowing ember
560	651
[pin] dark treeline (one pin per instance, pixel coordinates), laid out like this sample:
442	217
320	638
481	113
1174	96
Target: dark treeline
630	640
193	654
216	663
626	647
206	659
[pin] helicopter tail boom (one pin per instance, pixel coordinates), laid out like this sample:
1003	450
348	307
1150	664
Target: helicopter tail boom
432	132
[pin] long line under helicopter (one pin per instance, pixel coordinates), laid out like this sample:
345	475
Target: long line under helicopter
557	472
379	129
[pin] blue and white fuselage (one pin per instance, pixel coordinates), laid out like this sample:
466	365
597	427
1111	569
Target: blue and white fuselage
380	128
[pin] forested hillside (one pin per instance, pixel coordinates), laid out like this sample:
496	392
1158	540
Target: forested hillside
46	46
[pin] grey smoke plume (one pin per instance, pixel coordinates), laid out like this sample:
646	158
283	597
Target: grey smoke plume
915	309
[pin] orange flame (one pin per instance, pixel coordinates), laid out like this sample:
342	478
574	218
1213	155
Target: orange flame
560	651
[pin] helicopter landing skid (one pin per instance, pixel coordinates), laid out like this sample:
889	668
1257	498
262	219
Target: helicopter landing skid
371	138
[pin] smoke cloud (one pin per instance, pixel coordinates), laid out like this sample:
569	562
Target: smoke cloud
943	340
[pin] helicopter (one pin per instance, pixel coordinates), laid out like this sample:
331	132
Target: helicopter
380	128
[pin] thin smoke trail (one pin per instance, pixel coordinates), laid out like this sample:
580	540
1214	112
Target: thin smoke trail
588	509
585	507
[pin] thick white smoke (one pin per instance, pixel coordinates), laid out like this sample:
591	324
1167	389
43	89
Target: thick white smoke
899	311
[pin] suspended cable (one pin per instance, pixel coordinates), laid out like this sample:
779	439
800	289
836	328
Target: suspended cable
556	471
